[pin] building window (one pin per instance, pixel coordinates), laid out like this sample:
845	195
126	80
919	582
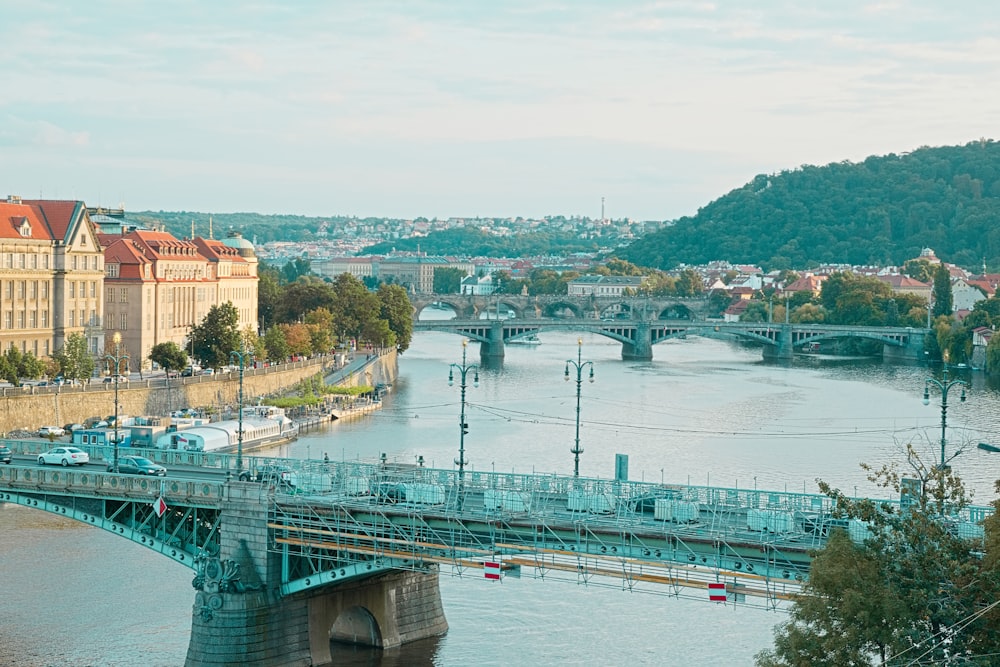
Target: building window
72	318
20	319
109	321
20	289
33	290
83	318
8	320
111	295
74	262
111	270
45	290
33	319
93	318
8	290
124	319
34	265
124	295
45	319
45	265
93	289
72	289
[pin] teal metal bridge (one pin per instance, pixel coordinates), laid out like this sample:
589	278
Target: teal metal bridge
638	336
329	523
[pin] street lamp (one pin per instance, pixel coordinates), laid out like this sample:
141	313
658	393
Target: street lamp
240	356
579	364
463	427
944	385
117	358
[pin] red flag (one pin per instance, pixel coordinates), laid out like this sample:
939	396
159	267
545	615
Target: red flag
717	592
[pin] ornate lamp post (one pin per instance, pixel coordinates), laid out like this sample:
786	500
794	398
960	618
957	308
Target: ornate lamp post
117	358
240	357
944	385
579	364
463	428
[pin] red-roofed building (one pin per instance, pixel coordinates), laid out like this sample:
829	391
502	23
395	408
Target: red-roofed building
907	285
158	286
51	273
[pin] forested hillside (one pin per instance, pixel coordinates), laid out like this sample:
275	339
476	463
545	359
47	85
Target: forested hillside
879	211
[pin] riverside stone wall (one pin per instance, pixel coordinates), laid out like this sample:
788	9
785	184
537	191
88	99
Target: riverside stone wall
69	405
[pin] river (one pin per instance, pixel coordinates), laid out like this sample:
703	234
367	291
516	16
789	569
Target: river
702	412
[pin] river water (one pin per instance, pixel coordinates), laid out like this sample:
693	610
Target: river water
702	412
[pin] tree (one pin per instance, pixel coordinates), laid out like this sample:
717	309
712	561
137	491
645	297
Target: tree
320	325
269	294
993	355
275	344
689	283
943	300
448	280
352	305
295	269
397	311
912	588
75	362
217	336
306	294
168	356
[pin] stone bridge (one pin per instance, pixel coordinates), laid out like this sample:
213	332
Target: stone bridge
563	306
638	336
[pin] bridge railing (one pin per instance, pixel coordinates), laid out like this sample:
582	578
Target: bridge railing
78	482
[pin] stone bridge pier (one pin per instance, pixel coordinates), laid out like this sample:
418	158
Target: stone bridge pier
240	617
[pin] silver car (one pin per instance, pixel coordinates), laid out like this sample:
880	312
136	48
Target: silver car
64	456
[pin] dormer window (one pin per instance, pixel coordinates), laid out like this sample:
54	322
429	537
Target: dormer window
25	228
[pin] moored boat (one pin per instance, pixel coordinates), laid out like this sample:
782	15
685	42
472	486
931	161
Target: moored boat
989	447
263	426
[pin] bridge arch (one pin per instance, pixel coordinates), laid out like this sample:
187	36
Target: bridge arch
356	625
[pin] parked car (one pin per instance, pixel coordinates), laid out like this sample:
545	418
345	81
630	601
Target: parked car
208	371
5	454
138	465
69	428
64	456
51	430
116	379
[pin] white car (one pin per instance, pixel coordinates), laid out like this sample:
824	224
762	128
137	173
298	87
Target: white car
51	430
64	456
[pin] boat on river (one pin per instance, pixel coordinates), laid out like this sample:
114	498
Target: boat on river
263	426
989	447
525	340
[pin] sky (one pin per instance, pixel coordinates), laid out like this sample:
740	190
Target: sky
471	108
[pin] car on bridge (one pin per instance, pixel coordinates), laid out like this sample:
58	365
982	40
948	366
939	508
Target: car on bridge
5	454
138	465
64	456
273	473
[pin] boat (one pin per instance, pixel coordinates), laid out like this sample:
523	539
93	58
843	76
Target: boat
263	426
525	340
989	447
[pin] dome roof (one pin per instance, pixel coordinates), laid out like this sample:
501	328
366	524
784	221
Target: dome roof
236	240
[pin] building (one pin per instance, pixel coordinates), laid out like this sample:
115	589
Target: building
51	275
903	284
416	273
604	285
359	267
157	287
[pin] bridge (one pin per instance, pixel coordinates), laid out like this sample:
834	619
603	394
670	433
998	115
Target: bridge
471	306
352	551
638	336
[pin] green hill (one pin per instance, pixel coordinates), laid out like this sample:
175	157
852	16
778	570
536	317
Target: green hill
883	210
